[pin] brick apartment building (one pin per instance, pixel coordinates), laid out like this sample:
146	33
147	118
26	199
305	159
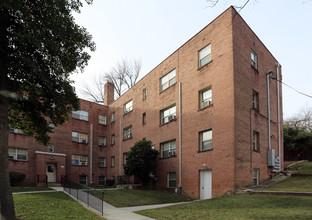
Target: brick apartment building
205	108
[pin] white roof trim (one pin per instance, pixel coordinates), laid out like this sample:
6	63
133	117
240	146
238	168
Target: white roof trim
49	153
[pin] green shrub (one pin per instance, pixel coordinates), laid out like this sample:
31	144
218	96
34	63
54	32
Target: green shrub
110	182
16	177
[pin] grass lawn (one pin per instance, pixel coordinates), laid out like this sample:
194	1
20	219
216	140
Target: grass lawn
29	188
238	207
293	184
305	167
56	205
127	198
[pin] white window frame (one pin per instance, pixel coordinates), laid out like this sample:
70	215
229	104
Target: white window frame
51	148
255	99
113	139
79	160
113	161
83	179
204	56
168	114
125	156
256	176
79	137
113	118
18	154
205	138
171	178
81	115
52	127
168	80
16	130
128	107
102	119
102	162
127	132
102	141
255	141
254	59
168	149
102	179
205	97
144	94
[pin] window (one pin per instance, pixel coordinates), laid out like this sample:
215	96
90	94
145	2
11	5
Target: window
204	56
83	180
113	139
255	99
51	126
205	97
113	161
168	80
254	59
255	141
80	114
171	179
16	131
51	148
102	162
125	156
102	119
17	154
205	140
127	133
128	107
168	149
79	137
79	160
113	117
102	141
144	118
144	94
102	180
256	176
168	114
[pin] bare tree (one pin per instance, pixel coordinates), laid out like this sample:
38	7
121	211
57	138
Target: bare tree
303	119
124	75
95	91
213	3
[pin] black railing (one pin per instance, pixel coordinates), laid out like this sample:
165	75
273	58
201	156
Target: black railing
42	179
91	197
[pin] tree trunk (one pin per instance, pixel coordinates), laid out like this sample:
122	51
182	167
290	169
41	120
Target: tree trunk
6	198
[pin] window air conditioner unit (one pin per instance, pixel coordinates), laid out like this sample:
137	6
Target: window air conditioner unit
172	117
84	141
169	153
83	163
173	153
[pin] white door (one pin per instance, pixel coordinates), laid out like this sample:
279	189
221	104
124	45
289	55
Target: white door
205	184
51	173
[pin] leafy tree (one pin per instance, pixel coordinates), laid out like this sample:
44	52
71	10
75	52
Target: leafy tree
297	143
40	46
141	161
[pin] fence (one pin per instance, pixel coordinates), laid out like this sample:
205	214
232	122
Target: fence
89	196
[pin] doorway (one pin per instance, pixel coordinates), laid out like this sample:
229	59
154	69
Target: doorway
205	184
51	173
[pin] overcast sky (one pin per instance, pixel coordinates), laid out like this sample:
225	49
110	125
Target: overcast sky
151	30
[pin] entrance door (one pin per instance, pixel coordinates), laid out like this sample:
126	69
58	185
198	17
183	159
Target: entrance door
205	184
51	173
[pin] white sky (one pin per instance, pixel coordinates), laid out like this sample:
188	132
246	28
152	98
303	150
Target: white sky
151	30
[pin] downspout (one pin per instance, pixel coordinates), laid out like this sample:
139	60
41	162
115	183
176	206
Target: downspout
278	112
269	109
120	140
91	153
180	140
